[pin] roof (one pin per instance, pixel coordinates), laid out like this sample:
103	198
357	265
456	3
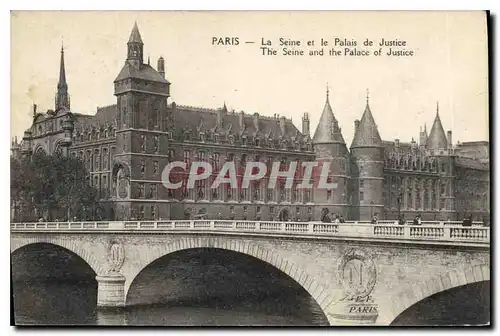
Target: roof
135	36
328	130
145	71
437	137
366	134
192	118
471	163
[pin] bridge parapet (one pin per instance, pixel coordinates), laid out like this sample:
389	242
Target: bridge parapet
443	233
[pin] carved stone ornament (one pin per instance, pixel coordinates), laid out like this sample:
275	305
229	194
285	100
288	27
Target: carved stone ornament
357	274
116	256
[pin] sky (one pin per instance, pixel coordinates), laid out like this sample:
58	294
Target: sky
449	65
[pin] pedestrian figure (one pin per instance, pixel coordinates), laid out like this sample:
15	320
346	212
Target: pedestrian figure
402	220
325	218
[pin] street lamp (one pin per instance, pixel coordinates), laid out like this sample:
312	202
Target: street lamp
399	196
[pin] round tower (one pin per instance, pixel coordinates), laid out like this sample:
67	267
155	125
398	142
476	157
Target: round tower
331	151
367	168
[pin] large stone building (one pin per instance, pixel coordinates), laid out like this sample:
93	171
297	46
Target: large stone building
125	147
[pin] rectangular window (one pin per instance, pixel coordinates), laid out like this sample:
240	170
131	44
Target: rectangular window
187	157
361	196
155	167
141	190
156	144
328	194
215	162
143	168
309	210
361	184
271	210
143	143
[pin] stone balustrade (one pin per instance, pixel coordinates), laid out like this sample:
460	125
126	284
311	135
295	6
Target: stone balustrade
427	232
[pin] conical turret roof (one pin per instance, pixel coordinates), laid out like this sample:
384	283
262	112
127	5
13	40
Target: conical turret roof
437	137
135	36
328	130
367	135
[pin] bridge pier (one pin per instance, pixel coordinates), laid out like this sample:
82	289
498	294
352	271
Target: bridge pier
110	290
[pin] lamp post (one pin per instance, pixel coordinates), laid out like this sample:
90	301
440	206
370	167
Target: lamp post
371	209
399	196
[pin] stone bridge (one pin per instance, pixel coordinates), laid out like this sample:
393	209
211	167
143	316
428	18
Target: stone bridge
358	273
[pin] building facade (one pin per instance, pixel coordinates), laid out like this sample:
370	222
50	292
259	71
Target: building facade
125	147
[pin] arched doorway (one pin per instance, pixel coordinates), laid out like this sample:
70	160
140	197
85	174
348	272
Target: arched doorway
283	215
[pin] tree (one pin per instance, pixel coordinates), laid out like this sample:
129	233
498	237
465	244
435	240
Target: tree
55	187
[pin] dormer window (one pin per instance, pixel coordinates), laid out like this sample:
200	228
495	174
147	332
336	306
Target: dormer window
188	136
216	138
244	140
202	137
257	142
231	139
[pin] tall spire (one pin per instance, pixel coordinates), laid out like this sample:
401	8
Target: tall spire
135	36
328	130
437	137
366	134
135	47
62	96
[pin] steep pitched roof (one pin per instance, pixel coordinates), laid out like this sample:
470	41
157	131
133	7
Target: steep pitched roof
145	71
367	135
328	130
437	137
135	36
188	117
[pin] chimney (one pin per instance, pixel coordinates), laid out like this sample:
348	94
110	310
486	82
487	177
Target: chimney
34	110
241	119
161	67
282	124
396	143
256	121
356	125
450	143
305	124
220	116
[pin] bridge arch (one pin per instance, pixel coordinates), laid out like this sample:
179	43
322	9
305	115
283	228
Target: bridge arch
69	244
319	292
410	295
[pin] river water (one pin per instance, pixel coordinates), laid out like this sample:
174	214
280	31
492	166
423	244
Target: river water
53	303
199	287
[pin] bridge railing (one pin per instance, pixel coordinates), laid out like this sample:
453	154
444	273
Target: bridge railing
385	229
